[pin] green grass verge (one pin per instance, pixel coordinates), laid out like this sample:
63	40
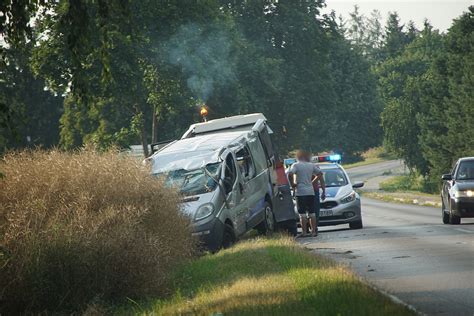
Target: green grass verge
371	156
406	197
268	277
368	161
406	189
403	183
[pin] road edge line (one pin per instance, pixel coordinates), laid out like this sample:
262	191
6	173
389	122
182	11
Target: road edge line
392	297
369	283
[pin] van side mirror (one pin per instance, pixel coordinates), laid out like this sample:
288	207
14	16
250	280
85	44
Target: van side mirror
358	184
447	176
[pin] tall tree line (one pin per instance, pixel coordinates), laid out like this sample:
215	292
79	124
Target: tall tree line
125	72
128	72
426	82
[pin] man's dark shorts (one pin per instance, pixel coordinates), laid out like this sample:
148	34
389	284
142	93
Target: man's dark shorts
305	204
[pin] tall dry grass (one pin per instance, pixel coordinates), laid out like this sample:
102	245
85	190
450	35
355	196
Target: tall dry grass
83	227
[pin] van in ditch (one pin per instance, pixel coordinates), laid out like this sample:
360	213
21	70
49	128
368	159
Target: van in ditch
228	173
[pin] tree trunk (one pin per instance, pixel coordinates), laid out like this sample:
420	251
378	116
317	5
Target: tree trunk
154	127
146	153
143	135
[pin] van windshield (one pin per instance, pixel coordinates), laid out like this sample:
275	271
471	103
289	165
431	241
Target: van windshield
192	182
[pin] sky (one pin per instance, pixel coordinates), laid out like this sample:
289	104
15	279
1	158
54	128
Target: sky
439	12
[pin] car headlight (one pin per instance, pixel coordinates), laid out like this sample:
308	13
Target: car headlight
467	193
351	197
204	211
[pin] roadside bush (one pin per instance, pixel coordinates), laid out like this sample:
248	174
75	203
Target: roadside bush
410	182
378	152
84	227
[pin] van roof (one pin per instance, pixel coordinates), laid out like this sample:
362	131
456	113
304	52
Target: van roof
207	142
194	152
223	123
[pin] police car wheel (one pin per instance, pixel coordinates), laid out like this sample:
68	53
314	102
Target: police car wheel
356	225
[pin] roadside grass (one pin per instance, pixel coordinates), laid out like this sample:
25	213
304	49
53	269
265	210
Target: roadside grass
268	276
365	162
415	198
85	228
371	156
406	189
403	183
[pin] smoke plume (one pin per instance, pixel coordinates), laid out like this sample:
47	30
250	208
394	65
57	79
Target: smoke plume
203	53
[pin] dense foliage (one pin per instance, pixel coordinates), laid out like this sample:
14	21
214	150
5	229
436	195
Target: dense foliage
428	91
129	72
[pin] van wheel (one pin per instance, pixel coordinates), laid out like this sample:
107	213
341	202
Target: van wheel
229	237
288	227
267	226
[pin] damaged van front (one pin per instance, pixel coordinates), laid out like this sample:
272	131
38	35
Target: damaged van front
197	176
225	171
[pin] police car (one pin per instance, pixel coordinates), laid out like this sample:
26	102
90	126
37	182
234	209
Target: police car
342	203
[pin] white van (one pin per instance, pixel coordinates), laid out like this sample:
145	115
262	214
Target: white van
226	170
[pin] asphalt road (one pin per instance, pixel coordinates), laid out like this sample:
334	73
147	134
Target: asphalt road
406	251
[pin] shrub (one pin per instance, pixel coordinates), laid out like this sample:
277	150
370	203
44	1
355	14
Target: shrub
409	182
83	227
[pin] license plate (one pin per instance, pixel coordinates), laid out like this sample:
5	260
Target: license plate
324	213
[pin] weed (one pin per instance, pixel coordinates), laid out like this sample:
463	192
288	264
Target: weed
84	227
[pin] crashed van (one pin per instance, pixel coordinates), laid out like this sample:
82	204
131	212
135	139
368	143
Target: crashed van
228	173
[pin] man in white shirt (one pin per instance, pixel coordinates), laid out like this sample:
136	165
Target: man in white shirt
302	174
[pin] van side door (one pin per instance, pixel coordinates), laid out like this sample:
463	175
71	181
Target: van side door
236	201
265	137
252	162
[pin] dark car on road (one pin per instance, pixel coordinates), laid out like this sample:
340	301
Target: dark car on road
457	194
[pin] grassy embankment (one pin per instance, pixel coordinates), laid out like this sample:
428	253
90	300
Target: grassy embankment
371	156
268	277
407	189
92	233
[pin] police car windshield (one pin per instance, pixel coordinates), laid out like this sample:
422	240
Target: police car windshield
192	182
466	170
334	177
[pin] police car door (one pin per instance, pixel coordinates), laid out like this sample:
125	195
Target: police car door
233	190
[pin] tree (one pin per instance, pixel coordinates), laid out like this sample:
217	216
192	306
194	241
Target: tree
109	70
31	113
399	82
136	72
447	124
395	39
357	29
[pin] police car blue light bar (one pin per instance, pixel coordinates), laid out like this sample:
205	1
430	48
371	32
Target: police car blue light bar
335	157
288	162
328	158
